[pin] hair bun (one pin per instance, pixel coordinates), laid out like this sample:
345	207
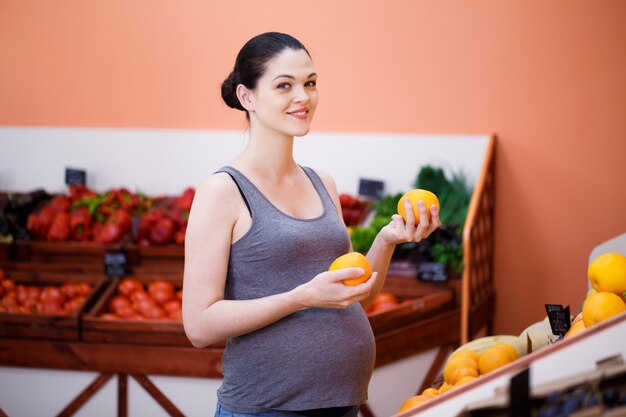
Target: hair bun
229	93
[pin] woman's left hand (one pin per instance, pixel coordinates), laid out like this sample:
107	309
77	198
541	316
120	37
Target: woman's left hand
399	231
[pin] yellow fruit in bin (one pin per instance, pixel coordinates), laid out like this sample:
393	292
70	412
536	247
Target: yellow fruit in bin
607	273
450	373
430	391
466	353
465	380
460	373
414	401
445	387
576	328
600	306
493	358
415	196
512	352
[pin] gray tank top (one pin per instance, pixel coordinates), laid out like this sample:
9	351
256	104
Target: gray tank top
314	358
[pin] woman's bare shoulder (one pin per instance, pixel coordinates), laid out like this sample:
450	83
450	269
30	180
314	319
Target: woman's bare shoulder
328	181
218	190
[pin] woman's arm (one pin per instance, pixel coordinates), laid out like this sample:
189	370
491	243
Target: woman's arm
207	316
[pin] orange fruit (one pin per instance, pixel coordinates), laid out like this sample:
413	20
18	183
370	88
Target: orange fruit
467	353
415	196
600	306
493	358
607	273
353	260
510	350
451	372
577	327
465	380
445	387
414	401
462	372
430	391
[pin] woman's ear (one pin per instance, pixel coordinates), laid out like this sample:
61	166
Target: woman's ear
246	97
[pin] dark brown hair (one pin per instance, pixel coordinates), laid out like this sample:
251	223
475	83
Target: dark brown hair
251	63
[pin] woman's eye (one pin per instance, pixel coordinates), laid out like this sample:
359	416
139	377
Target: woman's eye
284	86
311	84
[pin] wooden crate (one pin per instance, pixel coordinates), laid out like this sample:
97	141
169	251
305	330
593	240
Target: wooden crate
127	331
78	256
154	258
52	327
417	301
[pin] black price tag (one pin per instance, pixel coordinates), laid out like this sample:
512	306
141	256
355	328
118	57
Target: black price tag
75	176
115	264
559	318
371	188
519	395
432	272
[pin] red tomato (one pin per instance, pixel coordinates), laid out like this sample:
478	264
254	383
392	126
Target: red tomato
20	290
129	285
69	289
161	291
143	306
2	274
155	312
7	284
52	294
383	301
49	307
175	315
179	295
172	305
83	289
126	312
9	302
118	303
73	305
109	316
139	295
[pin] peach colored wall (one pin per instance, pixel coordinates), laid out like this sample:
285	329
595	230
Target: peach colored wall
547	77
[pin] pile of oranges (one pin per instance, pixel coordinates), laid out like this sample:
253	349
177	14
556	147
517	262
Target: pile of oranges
464	366
607	276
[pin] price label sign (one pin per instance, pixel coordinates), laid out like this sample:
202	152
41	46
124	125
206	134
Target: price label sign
559	318
432	272
75	176
371	188
115	264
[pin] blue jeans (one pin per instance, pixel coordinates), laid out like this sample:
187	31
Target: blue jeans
222	412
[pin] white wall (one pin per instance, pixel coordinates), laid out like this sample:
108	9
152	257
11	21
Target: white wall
167	161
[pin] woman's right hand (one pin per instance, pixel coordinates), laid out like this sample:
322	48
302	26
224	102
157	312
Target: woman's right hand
327	290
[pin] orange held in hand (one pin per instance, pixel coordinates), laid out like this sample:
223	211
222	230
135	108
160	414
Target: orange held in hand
353	260
415	196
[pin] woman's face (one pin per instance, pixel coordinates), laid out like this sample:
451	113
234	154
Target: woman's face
286	95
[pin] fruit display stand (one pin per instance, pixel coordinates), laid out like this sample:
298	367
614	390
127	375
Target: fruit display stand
558	364
428	315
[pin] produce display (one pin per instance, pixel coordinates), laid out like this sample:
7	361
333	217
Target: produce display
606	299
469	362
83	215
158	300
64	299
383	301
353	209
